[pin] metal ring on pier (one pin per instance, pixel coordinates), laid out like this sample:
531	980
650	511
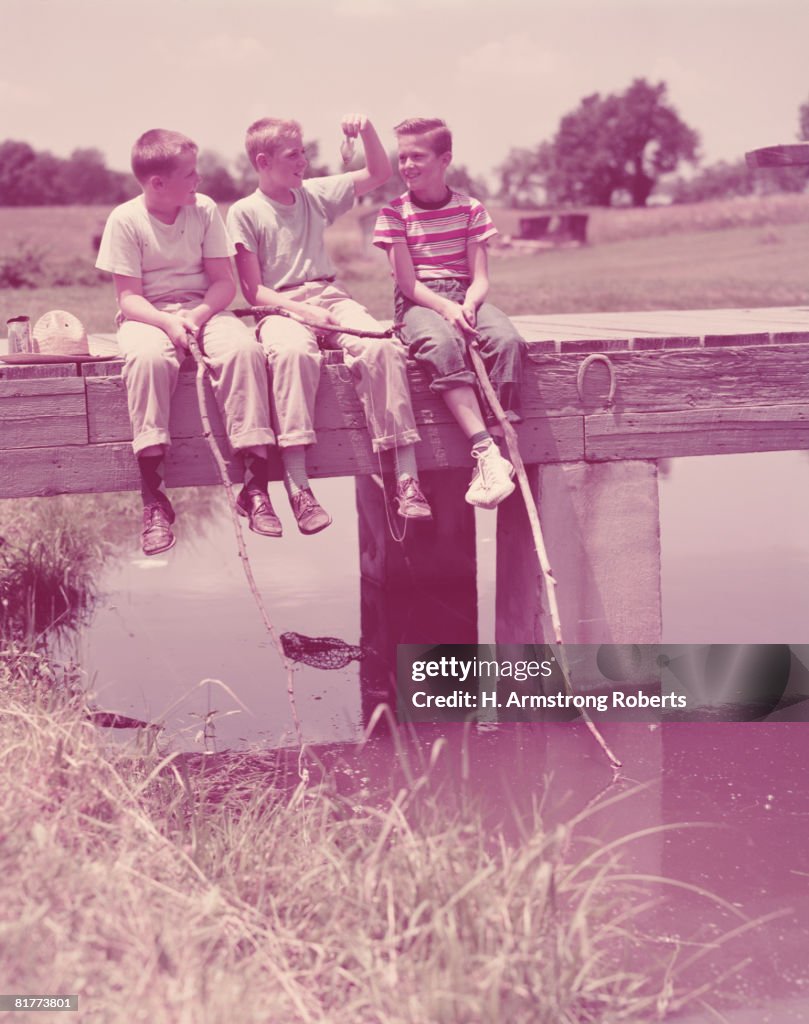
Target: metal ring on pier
585	364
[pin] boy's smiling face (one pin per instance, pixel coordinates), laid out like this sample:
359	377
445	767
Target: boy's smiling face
179	186
422	169
284	168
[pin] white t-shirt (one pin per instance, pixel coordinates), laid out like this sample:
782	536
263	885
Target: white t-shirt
166	257
288	240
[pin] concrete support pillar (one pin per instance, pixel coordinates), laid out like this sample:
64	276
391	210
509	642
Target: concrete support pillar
601	526
422	590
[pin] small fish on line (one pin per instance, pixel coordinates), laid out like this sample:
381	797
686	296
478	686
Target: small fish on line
327	652
112	720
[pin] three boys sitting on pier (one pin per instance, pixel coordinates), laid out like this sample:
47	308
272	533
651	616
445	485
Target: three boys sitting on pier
169	254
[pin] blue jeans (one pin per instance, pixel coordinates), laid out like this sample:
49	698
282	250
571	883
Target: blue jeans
441	351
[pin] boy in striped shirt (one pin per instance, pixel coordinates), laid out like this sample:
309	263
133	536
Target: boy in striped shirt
436	241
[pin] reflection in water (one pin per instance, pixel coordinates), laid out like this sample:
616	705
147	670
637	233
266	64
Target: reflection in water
168	623
734	561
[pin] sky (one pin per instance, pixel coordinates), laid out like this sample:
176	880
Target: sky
78	73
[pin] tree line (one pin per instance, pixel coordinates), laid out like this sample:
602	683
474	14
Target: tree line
619	148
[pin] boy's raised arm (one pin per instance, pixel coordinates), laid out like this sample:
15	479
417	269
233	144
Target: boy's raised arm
377	168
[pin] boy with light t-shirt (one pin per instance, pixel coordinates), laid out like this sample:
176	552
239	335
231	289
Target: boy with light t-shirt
282	261
169	255
436	241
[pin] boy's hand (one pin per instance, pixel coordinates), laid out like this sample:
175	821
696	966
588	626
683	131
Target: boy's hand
456	314
177	326
317	316
353	125
470	311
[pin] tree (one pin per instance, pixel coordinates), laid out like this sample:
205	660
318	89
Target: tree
459	178
616	143
25	174
246	177
216	180
85	178
521	177
31	178
803	122
717	181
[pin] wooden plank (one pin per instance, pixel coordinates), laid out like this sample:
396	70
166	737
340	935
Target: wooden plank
669	378
106	368
711	377
103	344
338	407
698	432
661	322
38	412
112	466
10	372
108	417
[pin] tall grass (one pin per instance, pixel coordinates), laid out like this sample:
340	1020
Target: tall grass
160	894
49	557
52	551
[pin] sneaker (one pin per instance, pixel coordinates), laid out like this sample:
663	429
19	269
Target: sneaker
156	535
256	507
491	482
410	502
309	514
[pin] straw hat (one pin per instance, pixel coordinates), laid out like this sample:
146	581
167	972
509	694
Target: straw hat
59	333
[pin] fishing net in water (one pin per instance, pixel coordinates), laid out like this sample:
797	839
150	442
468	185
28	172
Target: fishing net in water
327	652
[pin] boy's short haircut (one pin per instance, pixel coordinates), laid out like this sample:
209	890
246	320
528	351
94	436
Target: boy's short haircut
265	135
157	152
439	137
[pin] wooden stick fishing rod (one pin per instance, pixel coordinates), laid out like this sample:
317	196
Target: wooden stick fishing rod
259	312
207	433
536	530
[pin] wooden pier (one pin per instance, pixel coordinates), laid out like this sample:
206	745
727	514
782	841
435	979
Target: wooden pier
605	397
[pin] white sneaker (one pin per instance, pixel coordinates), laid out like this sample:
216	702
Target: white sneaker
491	482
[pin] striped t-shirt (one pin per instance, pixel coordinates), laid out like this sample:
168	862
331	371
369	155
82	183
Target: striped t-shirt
437	237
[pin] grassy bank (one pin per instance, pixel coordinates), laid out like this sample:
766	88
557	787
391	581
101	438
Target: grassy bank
123	881
726	253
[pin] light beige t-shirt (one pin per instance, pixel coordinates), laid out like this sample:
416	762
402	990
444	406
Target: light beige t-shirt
288	240
166	257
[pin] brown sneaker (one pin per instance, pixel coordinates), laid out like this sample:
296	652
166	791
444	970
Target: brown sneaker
156	536
257	508
410	502
309	514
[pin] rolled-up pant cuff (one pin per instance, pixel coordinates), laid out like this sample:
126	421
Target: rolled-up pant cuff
149	438
252	439
406	437
299	437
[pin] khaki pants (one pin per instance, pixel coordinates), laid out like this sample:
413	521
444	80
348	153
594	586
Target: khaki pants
238	371
378	368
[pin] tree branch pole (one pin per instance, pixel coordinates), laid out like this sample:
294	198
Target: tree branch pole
207	433
259	312
536	530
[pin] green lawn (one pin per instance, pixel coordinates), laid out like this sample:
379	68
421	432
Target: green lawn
762	265
733	267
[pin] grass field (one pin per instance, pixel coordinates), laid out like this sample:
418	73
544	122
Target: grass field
749	252
175	893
